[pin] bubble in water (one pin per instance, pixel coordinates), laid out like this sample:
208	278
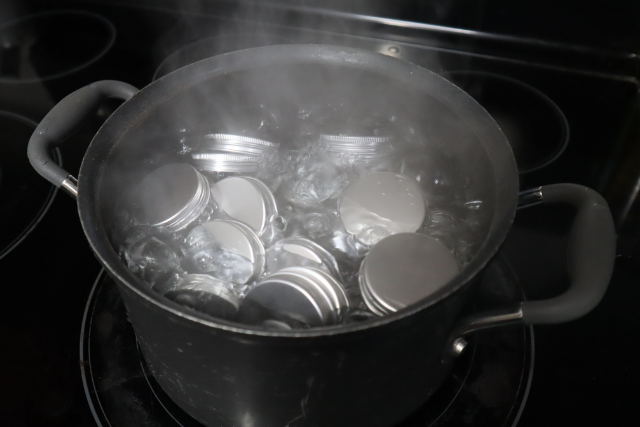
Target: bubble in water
314	180
150	258
273	232
307	178
372	235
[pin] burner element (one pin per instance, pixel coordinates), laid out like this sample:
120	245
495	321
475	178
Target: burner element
46	46
534	125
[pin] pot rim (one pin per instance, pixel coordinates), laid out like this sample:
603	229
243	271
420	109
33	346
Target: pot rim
142	103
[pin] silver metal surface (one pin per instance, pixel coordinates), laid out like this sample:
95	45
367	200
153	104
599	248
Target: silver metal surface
355	140
358	146
223	162
236	237
476	322
387	201
298	251
303	294
403	269
330	287
70	186
458	346
237	144
530	197
487	320
246	199
172	196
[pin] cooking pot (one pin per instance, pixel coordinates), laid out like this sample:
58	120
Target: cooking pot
372	373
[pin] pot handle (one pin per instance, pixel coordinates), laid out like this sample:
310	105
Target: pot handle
590	259
63	120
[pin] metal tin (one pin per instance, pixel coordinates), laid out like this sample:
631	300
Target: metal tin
236	237
237	144
171	196
246	199
388	202
357	145
206	294
223	162
298	294
298	251
403	269
355	140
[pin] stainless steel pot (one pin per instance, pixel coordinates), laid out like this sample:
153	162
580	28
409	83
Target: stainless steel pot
373	373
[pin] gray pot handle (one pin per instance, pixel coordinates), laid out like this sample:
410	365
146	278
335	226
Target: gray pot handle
590	259
63	120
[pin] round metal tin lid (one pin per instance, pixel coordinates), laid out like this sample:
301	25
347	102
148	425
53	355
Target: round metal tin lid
303	294
330	288
283	299
298	251
245	199
213	140
405	268
356	145
387	200
224	162
172	195
355	140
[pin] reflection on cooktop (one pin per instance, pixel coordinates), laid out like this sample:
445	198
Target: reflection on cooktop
24	196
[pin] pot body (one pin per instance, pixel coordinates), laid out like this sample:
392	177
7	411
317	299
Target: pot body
373	373
373	377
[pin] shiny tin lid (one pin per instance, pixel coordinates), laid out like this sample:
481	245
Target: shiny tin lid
403	269
304	294
331	288
224	162
246	199
355	140
207	294
385	200
171	196
356	145
238	238
298	251
237	144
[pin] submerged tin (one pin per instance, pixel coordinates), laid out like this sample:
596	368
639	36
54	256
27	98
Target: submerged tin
305	296
403	269
172	196
380	204
246	199
219	152
237	144
298	251
206	294
238	238
223	162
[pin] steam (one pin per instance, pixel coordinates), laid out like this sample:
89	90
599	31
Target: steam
294	105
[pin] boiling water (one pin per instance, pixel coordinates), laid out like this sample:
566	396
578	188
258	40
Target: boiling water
307	179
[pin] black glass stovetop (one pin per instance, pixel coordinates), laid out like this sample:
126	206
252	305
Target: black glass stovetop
585	371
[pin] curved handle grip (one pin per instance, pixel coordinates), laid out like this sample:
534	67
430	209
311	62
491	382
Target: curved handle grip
590	256
66	118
